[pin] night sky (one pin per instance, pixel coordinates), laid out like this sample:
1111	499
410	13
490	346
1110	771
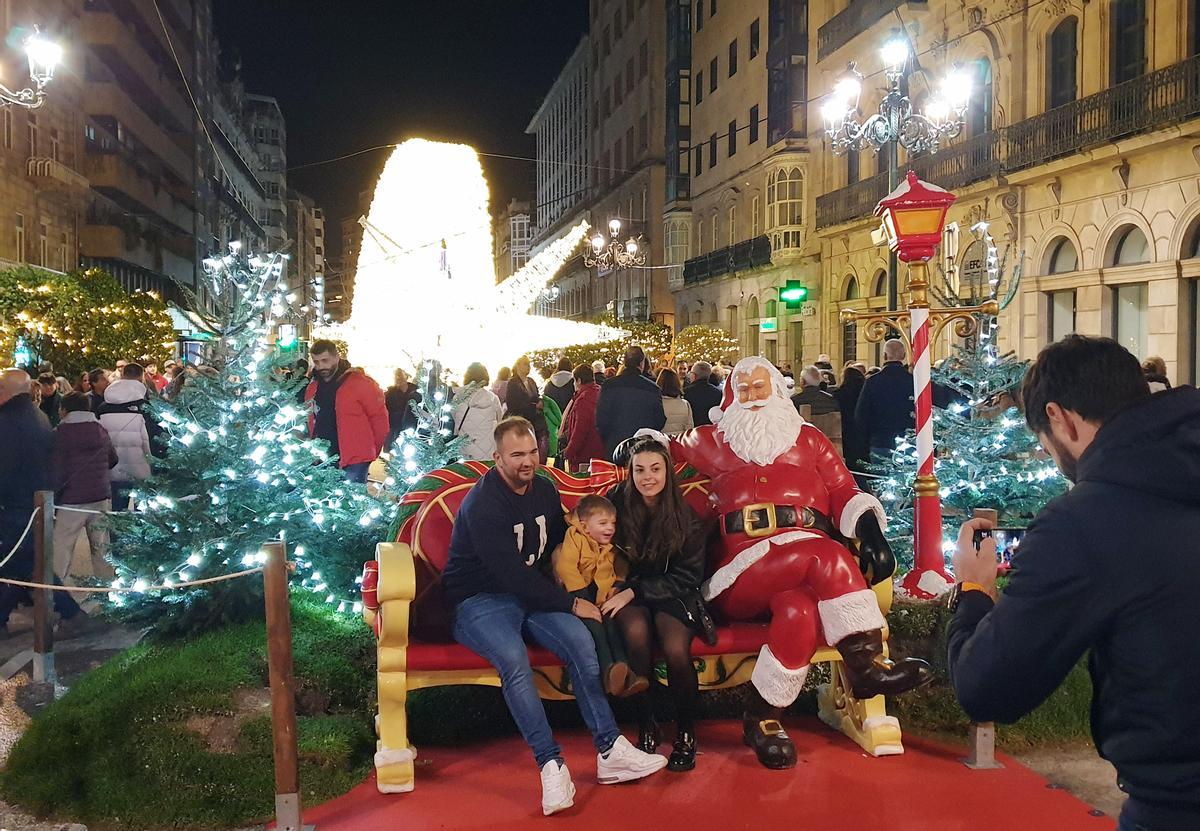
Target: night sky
350	74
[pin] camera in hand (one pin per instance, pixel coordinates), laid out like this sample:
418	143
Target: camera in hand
1008	541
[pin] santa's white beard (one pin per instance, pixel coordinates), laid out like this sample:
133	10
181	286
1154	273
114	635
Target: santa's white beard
763	435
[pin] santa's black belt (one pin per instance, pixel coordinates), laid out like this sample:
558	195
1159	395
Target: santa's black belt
764	518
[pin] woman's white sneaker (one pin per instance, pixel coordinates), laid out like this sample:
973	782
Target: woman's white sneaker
624	763
558	791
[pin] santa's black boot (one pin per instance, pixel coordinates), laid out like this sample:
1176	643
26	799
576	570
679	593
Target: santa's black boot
871	673
762	730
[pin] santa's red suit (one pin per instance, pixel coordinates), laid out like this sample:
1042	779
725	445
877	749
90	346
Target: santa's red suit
778	557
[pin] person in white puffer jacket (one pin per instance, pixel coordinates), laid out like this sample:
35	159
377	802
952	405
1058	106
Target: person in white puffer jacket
476	417
122	416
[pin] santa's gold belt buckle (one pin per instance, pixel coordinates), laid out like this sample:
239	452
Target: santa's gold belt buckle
751	520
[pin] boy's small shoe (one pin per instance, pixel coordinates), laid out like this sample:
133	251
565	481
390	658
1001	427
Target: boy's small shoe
634	685
617	679
624	763
558	791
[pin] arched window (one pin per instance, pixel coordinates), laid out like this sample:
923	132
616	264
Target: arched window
785	207
879	284
1128	40
700	237
755	226
732	314
1063	257
979	110
752	309
851	289
1062	60
769	309
712	314
1131	247
732	219
852	166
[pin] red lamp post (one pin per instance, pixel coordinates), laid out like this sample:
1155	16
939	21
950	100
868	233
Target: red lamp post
913	217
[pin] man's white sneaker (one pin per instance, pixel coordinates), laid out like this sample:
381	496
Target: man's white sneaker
624	763
558	791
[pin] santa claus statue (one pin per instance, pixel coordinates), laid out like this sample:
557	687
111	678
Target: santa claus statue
787	507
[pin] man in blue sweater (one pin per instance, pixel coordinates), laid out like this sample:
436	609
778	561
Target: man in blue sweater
1107	569
498	580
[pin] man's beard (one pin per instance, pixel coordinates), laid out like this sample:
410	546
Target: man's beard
763	435
1068	462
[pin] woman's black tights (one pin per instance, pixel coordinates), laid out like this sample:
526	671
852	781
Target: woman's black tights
674	637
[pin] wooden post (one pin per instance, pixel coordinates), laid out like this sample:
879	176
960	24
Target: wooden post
43	599
283	687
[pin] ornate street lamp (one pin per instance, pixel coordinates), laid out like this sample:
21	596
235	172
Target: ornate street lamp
896	124
896	121
913	216
610	252
44	55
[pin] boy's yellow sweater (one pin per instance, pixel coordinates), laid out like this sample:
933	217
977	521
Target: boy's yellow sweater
582	561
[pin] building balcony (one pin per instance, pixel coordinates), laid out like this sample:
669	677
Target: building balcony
120	180
1153	101
858	17
56	174
115	43
740	257
106	99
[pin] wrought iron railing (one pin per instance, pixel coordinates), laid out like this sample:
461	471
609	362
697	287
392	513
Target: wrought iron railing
744	255
857	17
1152	101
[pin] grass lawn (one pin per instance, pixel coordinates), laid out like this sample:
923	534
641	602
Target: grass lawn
117	751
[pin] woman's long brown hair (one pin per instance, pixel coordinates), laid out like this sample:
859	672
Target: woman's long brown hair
651	537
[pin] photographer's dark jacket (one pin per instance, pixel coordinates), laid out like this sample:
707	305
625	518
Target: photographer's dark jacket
1112	567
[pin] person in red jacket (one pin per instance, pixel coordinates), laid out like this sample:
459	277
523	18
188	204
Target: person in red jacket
348	411
579	425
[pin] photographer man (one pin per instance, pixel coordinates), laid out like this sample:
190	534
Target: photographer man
1108	567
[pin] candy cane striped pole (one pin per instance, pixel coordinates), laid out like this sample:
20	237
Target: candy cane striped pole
928	577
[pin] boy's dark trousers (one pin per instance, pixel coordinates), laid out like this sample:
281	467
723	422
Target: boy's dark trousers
610	646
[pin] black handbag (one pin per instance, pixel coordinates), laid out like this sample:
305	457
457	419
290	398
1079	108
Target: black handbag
699	618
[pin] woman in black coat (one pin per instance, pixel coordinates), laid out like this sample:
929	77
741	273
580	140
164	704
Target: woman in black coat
854	443
661	544
523	399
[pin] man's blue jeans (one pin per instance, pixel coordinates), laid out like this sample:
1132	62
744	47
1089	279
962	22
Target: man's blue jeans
494	627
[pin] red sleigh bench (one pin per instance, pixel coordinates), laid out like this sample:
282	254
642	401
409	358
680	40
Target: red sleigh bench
403	603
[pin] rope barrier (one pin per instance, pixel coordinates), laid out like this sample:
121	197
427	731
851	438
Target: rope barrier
131	589
58	508
21	539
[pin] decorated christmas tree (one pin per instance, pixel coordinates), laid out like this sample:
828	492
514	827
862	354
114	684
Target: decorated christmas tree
705	343
985	456
237	473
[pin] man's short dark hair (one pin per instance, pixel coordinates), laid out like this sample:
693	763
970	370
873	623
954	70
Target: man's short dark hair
46	379
96	374
323	347
594	504
133	372
584	374
564	364
634	358
1095	377
75	402
512	424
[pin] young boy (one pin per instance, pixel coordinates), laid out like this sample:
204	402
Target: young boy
586	566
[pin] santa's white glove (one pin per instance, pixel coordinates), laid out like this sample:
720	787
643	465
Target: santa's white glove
657	435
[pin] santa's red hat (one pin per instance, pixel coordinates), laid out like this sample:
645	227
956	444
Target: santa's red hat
715	414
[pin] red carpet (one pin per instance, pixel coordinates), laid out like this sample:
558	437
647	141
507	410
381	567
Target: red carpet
494	785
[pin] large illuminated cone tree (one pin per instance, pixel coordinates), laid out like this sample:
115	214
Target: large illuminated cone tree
238	472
